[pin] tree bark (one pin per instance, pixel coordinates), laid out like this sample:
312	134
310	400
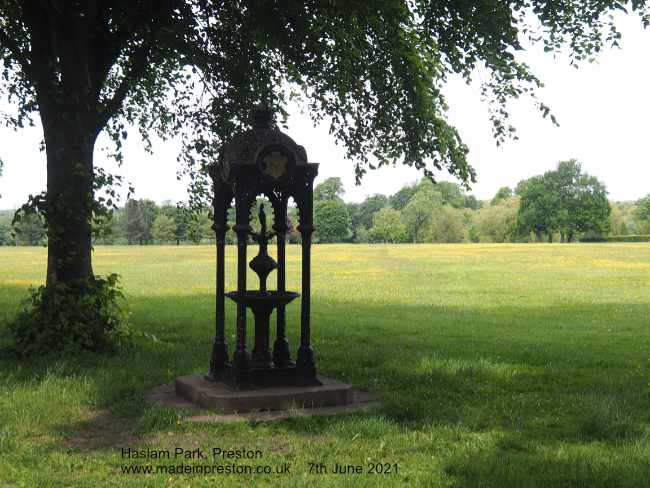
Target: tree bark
69	201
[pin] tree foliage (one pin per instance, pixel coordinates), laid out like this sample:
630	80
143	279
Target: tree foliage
138	219
564	200
446	226
402	197
5	234
164	229
29	229
502	193
419	211
536	207
366	210
199	226
329	189
643	214
498	222
331	220
387	226
451	194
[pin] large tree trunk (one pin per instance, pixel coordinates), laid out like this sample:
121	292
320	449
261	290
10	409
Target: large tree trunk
69	149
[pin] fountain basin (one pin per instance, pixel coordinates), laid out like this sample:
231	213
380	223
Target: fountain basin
262	300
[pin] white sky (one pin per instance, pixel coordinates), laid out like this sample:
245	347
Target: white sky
603	110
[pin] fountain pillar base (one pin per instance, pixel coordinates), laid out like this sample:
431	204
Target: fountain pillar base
217	396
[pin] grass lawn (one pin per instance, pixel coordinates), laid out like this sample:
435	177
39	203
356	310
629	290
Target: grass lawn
499	366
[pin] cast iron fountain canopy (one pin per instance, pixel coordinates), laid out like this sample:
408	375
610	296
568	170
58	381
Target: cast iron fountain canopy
262	161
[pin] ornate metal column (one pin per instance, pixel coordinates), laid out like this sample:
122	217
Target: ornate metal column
242	229
222	198
281	355
305	360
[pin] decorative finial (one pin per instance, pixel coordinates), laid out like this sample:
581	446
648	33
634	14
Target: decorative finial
262	220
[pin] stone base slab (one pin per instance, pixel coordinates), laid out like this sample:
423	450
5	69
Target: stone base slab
215	396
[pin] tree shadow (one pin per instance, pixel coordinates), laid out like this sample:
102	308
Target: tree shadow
534	378
509	463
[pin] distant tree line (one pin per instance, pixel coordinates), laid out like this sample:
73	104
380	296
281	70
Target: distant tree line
561	205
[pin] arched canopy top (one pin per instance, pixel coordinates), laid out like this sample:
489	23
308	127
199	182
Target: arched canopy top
264	146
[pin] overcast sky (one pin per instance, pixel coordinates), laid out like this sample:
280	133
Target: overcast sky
603	110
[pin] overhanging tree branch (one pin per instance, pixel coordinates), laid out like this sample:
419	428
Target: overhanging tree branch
9	43
138	65
136	71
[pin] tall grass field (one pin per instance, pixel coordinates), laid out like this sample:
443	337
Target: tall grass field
498	366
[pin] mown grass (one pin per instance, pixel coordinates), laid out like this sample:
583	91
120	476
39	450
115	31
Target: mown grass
499	366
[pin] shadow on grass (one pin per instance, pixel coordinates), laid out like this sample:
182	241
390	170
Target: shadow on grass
566	466
536	377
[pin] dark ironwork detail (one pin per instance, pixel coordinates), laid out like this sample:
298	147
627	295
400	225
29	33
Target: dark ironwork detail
222	199
263	161
263	264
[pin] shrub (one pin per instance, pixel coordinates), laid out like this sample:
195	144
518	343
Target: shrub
61	319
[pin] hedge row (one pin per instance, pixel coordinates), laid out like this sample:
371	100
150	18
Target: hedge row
637	238
632	238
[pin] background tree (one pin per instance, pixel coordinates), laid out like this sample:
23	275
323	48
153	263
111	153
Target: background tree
149	211
361	235
446	226
134	223
400	199
536	208
561	185
564	200
592	209
579	201
6	238
104	231
199	227
367	209
29	230
451	193
387	226
293	236
330	189
181	216
331	220
419	211
472	202
498	223
164	229
643	215
6	230
502	193
354	217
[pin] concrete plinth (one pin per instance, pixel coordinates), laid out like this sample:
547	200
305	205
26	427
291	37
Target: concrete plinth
215	396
